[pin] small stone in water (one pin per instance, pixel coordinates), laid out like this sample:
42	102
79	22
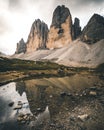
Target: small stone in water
11	104
93	88
23	122
19	103
83	117
69	94
50	96
21	115
62	94
18	107
38	109
19	118
93	93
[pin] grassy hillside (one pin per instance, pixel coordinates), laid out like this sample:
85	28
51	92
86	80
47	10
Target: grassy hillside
15	69
17	64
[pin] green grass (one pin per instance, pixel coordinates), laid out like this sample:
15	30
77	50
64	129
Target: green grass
100	68
24	65
17	64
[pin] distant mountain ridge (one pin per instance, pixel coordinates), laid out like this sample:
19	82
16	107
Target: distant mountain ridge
83	47
62	32
3	55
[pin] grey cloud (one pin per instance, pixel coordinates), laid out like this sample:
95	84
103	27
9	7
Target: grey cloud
76	4
89	1
14	3
84	3
20	3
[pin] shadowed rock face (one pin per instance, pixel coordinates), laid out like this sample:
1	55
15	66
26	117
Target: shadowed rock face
76	28
37	37
21	47
94	30
59	16
60	33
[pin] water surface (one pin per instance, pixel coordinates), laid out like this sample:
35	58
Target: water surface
45	100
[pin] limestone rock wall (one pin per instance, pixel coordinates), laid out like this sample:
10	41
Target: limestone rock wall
38	36
76	31
60	33
21	47
94	30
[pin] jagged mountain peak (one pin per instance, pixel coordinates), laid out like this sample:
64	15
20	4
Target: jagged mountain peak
38	36
98	18
21	46
60	15
94	30
76	30
60	33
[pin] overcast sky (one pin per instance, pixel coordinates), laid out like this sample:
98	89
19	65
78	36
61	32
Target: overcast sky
17	16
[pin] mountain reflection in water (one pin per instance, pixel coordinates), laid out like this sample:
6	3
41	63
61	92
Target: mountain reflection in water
44	100
15	92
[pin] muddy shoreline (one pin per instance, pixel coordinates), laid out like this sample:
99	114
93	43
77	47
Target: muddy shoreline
15	76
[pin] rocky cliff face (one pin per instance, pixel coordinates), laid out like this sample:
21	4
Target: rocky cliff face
94	30
76	30
38	36
21	47
60	32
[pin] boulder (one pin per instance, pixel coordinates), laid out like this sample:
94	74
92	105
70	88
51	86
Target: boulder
11	104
